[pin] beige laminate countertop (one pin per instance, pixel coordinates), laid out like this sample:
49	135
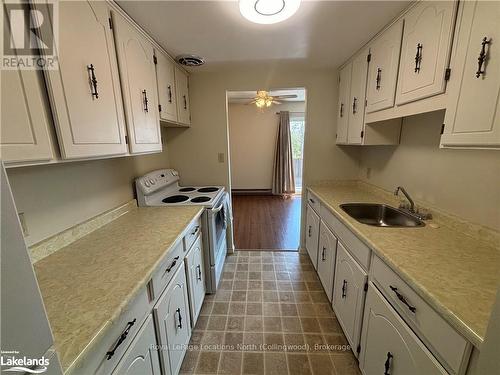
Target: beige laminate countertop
455	272
87	284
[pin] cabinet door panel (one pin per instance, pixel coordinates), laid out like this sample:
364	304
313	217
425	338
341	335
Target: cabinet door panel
172	321
358	96
196	279
312	233
182	87
141	357
473	113
383	71
327	251
138	78
166	87
348	294
87	125
427	39
343	104
387	340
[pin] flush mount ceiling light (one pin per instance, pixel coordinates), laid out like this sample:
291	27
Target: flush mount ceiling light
268	11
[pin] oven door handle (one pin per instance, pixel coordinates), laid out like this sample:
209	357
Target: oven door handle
215	210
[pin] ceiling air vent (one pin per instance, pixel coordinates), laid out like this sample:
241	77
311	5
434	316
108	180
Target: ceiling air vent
190	60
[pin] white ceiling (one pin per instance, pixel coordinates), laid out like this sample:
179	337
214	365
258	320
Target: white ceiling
246	96
322	34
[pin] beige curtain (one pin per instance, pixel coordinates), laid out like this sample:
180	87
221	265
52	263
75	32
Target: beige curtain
283	178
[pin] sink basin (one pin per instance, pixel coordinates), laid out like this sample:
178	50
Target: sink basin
380	215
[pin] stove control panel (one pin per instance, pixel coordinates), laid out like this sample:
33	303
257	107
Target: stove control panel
155	180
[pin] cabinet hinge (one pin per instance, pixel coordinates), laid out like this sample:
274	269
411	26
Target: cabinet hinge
159	107
365	288
369	57
155	60
110	23
366	102
126	139
362	133
442	128
447	74
358	349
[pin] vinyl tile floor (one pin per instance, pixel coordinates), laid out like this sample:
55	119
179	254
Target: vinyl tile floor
269	316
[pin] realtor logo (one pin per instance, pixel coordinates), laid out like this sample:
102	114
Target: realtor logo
29	38
10	362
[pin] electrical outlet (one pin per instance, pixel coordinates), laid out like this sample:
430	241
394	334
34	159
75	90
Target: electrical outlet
26	233
368	173
221	157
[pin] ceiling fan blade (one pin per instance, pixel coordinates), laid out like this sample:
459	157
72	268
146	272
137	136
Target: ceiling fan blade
285	96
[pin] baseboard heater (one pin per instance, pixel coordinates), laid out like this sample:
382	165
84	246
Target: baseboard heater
251	191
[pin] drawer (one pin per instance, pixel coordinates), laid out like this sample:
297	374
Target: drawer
447	344
354	245
127	324
161	277
192	234
313	201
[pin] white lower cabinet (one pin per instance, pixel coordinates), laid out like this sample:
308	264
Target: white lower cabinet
141	357
326	258
349	294
172	322
196	279
388	346
312	232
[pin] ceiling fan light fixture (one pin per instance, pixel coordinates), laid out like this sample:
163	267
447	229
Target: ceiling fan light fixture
268	11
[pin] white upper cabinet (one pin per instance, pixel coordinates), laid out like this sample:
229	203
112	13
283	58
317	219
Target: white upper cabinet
343	103
425	51
473	111
165	78
182	87
383	71
138	79
358	95
85	90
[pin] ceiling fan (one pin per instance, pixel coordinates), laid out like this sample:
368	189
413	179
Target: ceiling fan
263	99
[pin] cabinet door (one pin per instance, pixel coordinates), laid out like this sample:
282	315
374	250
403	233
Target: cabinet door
349	294
141	357
165	78
427	39
85	90
312	233
196	279
389	345
344	93
138	78
383	71
172	320
327	251
473	112
358	96
182	87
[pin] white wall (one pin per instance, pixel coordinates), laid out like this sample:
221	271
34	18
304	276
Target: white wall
58	196
252	139
462	182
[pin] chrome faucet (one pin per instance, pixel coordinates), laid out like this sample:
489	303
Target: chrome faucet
412	204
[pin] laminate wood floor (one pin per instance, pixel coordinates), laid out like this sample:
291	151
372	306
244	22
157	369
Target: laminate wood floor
266	222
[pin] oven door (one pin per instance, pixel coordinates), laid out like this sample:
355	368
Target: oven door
217	222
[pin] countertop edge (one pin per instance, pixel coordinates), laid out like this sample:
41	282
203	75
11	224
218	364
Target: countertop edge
473	337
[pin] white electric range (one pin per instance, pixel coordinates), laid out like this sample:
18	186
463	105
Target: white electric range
161	188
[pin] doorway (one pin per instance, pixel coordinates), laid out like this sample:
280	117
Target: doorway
263	220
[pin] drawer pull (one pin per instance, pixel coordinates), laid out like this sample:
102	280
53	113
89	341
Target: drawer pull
312	200
323	254
198	267
309	231
482	57
196	229
173	264
178	311
402	298
122	338
169	89
387	364
344	289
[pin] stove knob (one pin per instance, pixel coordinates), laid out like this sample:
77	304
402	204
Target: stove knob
147	184
152	182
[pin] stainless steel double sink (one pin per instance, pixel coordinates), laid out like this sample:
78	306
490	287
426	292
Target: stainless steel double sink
381	215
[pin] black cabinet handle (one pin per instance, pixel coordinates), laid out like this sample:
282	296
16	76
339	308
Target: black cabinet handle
178	311
341	109
169	89
403	299
418	58
344	289
93	81
387	364
354	105
379	78
323	254
196	229
145	100
198	267
312	200
185	102
122	338
309	231
169	268
482	57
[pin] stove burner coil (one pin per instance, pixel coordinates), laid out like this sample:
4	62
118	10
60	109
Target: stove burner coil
200	199
175	199
208	189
